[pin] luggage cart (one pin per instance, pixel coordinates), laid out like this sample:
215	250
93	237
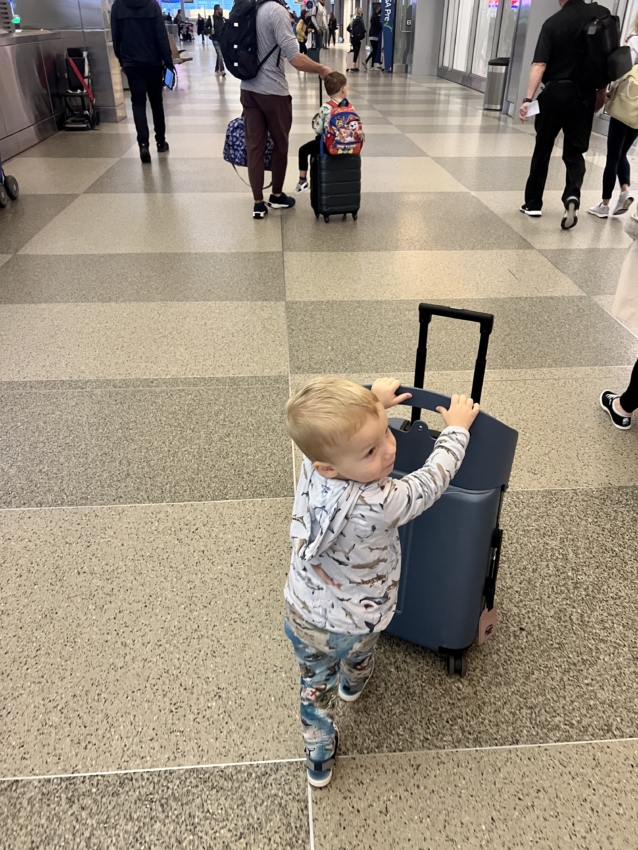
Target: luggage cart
8	187
450	554
81	112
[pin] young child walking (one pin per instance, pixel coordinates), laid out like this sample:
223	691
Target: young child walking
344	574
336	86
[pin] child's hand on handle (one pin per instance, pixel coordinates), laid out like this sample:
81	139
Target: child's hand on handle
462	412
385	390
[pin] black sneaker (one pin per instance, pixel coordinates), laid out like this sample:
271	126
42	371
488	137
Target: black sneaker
260	210
533	213
145	154
162	147
623	423
281	202
570	219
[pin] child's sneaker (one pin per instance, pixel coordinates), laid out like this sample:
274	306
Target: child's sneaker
281	202
607	399
302	186
320	773
260	210
347	694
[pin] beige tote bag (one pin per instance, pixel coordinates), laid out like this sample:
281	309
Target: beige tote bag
625	306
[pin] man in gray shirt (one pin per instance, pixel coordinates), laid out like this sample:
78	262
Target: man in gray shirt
268	105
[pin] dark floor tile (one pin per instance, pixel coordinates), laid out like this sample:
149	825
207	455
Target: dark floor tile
595	270
563	665
528	333
380	144
508	173
230	808
169	175
404	222
43	278
94	144
220	439
22	219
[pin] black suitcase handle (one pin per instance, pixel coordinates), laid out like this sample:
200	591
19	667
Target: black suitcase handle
486	323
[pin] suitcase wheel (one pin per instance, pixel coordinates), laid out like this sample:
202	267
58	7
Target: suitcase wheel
354	216
4	198
456	663
316	215
11	185
326	218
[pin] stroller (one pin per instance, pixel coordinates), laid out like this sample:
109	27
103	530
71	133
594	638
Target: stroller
185	32
8	188
80	110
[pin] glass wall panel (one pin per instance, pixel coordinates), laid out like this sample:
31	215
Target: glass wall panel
508	27
449	33
488	10
463	29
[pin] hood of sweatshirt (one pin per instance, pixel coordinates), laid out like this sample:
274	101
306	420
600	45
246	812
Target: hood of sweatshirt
137	8
321	510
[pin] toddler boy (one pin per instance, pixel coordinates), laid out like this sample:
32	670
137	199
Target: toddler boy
342	586
337	90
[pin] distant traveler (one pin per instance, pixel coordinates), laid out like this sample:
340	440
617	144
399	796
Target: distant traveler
219	22
619	141
320	20
333	26
208	27
302	32
268	105
200	28
357	30
376	28
568	103
141	45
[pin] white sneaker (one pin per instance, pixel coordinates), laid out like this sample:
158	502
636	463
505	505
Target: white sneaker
601	210
302	186
624	202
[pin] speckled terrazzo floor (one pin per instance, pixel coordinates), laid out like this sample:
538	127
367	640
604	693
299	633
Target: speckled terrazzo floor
150	335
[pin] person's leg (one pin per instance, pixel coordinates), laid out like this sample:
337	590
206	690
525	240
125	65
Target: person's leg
137	85
306	151
629	399
577	124
256	130
373	51
278	113
624	169
302	47
547	125
155	85
615	139
356	44
319	680
357	667
318	40
219	64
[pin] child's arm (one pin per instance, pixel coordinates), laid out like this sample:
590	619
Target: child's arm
414	493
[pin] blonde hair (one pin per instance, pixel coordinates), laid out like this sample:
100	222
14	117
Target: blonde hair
327	411
359	12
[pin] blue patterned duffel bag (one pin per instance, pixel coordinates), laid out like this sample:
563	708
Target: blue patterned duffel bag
235	146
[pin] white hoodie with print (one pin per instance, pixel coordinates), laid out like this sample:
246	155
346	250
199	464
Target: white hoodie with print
346	556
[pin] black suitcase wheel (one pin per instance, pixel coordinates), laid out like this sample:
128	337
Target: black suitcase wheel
11	185
316	215
456	664
326	218
4	198
96	117
354	216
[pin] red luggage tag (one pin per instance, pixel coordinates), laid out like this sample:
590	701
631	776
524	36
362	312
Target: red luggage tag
487	625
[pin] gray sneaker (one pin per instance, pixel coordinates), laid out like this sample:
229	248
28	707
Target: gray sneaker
600	210
624	202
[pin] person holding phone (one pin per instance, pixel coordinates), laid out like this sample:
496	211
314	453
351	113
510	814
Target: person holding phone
141	45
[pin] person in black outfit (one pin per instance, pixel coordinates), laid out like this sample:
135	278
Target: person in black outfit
566	103
332	29
376	28
200	28
141	45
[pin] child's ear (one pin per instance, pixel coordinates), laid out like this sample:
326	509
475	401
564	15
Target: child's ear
325	469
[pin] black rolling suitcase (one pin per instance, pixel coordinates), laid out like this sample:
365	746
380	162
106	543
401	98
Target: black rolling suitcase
335	183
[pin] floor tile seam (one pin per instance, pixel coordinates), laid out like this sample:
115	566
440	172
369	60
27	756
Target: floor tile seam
311	826
117	505
300	760
17	390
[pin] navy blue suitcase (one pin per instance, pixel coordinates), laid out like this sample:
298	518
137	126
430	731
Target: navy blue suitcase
450	554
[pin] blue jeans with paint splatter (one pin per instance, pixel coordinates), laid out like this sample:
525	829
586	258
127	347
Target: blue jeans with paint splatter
324	659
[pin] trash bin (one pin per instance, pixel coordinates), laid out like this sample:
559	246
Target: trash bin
495	87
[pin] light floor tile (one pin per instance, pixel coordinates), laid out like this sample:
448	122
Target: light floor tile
558	797
230	808
546	232
26	217
510	173
426	275
180	223
56	176
150	340
452	120
467	145
405	174
197	146
91	145
594	270
166	174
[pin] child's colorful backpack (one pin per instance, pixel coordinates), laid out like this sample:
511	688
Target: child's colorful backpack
343	132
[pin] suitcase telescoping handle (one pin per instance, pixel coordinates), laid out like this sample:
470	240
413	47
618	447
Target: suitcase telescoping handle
485	322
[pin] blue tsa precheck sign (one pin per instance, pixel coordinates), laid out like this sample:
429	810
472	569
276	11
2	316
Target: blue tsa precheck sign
387	17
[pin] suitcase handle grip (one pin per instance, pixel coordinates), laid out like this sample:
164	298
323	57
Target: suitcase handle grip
486	324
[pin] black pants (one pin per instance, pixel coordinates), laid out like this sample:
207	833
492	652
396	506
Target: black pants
332	37
308	150
629	399
356	47
374	43
562	107
620	139
302	47
143	80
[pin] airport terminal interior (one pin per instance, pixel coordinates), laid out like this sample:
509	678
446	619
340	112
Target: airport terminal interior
151	332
